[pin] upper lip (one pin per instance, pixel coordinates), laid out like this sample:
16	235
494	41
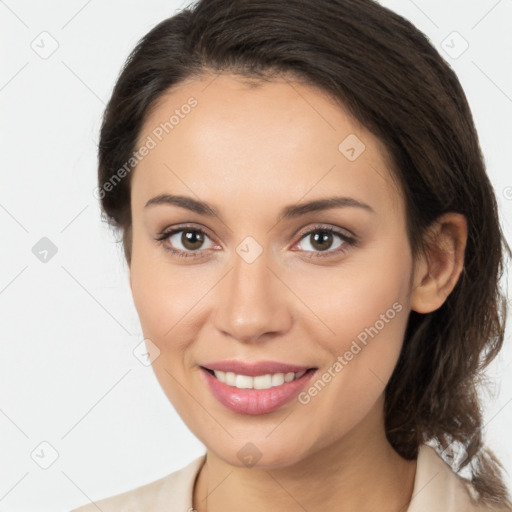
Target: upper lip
254	369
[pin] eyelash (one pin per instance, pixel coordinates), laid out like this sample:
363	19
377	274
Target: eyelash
350	241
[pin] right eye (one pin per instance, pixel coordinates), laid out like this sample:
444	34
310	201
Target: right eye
191	240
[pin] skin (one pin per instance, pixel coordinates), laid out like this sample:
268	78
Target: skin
249	152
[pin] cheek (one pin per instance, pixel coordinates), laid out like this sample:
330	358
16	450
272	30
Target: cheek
170	313
363	355
369	336
164	304
161	296
356	295
149	298
364	308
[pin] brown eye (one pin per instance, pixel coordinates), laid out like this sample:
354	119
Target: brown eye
321	240
192	240
185	241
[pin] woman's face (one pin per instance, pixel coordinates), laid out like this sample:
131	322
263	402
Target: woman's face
257	284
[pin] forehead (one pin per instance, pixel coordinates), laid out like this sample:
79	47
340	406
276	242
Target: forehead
225	138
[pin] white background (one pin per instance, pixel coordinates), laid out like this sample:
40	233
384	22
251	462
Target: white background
67	372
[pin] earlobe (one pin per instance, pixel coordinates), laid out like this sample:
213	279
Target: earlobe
438	271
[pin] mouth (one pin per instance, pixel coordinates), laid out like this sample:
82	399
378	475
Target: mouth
264	381
255	394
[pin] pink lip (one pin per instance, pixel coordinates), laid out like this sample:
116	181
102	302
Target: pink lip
255	401
254	369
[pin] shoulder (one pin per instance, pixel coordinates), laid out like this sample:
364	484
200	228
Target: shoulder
437	487
172	492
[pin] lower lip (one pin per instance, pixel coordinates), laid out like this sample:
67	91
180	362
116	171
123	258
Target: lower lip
255	401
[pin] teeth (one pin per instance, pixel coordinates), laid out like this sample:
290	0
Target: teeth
260	382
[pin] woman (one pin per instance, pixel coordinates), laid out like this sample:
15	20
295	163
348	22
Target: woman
314	254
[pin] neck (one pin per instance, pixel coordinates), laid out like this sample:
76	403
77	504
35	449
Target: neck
360	471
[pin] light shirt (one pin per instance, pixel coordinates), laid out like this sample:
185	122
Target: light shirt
437	488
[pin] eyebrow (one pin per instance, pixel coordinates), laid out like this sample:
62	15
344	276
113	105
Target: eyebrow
288	212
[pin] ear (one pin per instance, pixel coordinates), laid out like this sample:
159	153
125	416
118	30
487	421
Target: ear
436	273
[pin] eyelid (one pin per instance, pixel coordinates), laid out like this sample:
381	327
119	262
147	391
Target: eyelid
343	232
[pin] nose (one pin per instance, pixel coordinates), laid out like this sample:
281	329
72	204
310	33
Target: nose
252	302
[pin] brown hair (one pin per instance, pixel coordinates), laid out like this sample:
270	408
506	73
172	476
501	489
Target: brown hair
389	77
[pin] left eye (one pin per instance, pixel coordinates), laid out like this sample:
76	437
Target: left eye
322	240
